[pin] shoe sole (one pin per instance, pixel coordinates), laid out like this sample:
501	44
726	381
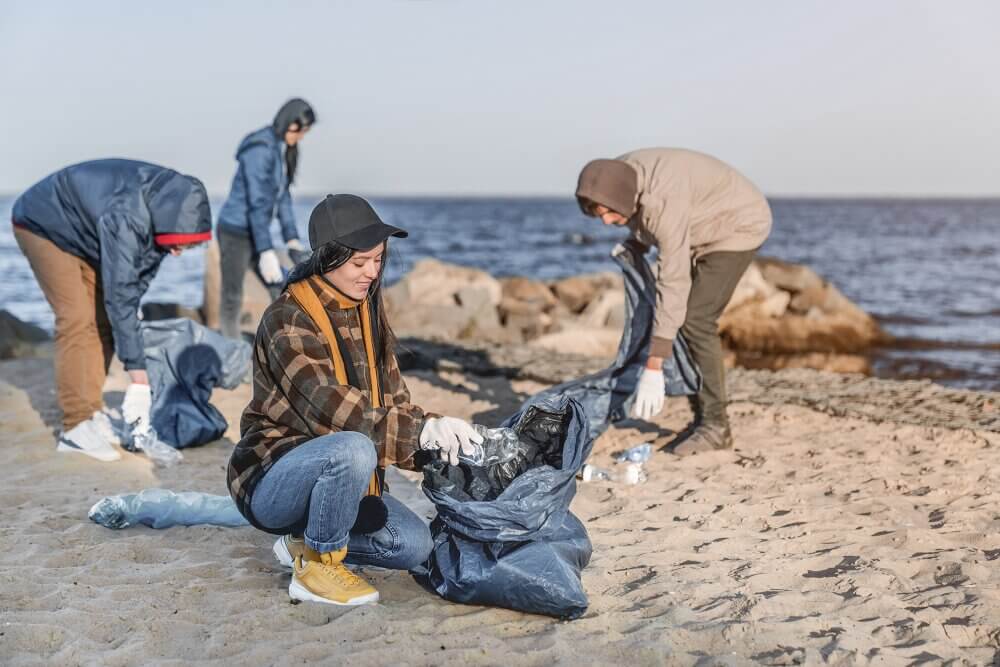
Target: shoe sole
281	553
100	456
297	591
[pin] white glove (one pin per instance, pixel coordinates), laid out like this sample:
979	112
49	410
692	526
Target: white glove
295	244
449	434
270	267
649	394
136	406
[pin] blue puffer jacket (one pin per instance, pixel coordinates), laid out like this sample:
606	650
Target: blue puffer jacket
117	215
259	191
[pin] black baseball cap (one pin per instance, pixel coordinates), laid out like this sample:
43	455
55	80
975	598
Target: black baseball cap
350	221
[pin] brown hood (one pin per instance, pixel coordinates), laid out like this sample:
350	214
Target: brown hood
611	183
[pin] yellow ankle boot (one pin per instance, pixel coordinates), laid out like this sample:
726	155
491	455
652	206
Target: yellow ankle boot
328	580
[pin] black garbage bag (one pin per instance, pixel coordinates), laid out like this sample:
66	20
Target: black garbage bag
185	362
521	549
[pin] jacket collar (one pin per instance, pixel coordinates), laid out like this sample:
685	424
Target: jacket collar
331	297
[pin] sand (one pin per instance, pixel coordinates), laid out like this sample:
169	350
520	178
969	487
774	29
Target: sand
827	537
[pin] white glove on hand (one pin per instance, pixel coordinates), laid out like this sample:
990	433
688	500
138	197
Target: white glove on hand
649	394
294	244
270	267
449	434
136	406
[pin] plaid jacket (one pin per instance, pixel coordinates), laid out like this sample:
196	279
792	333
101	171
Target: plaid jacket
296	396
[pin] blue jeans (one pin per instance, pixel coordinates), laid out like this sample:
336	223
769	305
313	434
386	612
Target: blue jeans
320	483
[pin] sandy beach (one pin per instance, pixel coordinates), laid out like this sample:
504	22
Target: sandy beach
829	536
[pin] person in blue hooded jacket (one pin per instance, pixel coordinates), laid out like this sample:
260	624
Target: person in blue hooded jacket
260	191
94	234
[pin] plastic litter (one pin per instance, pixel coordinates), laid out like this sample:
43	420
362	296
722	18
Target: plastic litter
159	452
631	473
499	446
159	508
638	454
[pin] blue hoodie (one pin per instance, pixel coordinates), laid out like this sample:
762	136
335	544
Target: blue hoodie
259	191
118	215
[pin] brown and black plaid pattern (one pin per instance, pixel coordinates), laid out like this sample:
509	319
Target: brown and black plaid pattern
296	396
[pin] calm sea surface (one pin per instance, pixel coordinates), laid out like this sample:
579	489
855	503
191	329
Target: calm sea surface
929	270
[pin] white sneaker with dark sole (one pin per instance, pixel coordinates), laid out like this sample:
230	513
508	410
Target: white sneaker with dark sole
86	438
281	551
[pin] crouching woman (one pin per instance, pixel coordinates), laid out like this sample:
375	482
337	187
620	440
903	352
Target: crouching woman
329	412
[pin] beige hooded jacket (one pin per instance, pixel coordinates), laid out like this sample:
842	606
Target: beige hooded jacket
690	204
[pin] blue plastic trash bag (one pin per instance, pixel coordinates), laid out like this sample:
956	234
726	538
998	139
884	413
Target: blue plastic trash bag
186	361
159	508
523	549
606	396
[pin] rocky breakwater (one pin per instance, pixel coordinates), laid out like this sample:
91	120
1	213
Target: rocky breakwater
781	315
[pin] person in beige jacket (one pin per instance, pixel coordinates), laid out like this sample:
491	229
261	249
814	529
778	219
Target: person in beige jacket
707	220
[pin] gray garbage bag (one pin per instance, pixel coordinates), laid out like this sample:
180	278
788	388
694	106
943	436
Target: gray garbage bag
522	550
606	396
185	362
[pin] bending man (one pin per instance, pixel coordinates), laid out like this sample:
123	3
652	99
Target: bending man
707	221
95	234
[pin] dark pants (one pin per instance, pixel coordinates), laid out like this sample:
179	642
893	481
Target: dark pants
236	255
713	279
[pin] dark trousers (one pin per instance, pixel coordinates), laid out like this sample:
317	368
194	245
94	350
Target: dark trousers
713	279
236	255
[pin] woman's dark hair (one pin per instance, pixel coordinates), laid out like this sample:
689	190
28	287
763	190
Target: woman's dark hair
332	255
294	112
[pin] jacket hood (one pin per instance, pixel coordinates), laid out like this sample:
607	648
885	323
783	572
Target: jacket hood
611	183
265	136
179	209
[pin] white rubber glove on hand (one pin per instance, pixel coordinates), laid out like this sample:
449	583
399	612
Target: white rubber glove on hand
649	394
136	406
449	434
270	267
295	244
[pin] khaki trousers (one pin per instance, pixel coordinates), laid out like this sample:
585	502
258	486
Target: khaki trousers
84	343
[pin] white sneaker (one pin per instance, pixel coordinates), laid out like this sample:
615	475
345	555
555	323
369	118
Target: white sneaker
86	438
106	427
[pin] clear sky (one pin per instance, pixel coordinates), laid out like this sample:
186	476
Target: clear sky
897	97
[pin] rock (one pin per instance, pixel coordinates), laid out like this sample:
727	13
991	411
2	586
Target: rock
576	292
475	298
582	341
750	328
822	361
532	294
529	326
431	321
789	277
435	283
776	304
20	339
607	310
826	299
752	286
